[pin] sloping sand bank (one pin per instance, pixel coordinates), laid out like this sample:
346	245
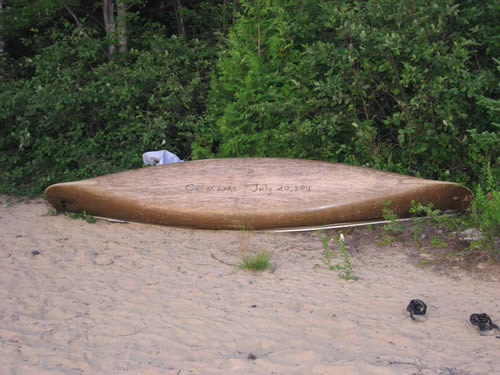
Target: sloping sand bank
111	298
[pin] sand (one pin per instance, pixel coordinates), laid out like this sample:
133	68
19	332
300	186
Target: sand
110	298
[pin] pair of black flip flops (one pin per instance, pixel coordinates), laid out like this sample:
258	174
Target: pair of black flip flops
417	309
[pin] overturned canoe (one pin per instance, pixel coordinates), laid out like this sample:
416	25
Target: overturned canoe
252	193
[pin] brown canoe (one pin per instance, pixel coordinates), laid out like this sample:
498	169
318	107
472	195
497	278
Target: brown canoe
251	193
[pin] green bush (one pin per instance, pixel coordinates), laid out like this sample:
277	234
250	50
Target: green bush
393	84
485	206
486	212
80	115
402	85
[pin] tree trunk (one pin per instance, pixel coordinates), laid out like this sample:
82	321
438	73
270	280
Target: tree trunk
235	9
1	41
224	11
122	26
109	24
180	21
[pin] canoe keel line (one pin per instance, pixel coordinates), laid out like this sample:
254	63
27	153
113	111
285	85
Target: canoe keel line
253	194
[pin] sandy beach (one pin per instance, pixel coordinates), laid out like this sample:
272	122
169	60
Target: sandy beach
111	298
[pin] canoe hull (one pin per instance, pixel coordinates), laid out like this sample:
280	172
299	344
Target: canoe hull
252	193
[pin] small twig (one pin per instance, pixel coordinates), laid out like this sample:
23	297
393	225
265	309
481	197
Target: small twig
73	339
78	22
402	363
73	15
420	368
131	5
134	332
223	262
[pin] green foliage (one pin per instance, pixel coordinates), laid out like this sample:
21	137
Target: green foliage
345	268
438	242
83	216
426	210
73	215
485	209
21	15
435	216
386	240
257	262
393	84
390	215
81	115
328	254
402	85
249	86
486	212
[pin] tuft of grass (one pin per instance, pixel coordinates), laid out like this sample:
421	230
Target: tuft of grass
256	262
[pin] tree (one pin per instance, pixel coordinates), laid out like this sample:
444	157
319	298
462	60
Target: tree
22	20
115	25
122	26
180	20
1	40
108	12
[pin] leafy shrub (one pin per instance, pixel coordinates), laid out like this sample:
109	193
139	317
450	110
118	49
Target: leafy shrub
393	84
407	86
81	115
486	212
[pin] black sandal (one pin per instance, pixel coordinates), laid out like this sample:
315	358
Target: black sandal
484	323
417	309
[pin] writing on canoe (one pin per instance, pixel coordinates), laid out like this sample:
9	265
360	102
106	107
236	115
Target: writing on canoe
267	189
210	188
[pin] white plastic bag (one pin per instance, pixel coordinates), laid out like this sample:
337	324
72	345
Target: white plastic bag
160	157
